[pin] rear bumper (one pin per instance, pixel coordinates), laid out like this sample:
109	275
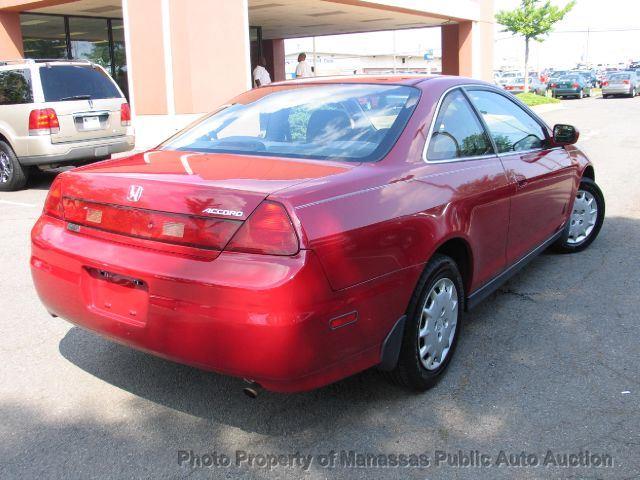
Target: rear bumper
566	91
50	153
251	316
616	90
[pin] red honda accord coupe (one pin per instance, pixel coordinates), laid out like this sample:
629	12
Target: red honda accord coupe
309	230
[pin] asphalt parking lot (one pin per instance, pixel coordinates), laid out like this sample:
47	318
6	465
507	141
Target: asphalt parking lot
549	363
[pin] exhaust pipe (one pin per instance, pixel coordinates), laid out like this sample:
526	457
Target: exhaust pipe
252	389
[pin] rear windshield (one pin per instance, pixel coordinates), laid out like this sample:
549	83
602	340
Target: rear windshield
75	82
620	76
353	122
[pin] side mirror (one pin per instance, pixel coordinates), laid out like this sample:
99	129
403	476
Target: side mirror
565	134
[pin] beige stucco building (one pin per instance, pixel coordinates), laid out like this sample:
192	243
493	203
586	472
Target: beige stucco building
179	58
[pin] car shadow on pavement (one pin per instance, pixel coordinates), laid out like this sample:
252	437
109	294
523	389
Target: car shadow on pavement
544	328
218	397
42	179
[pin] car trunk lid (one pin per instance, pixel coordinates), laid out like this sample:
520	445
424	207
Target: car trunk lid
185	200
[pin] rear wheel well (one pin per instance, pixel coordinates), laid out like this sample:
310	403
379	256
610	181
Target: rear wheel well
458	249
5	140
589	173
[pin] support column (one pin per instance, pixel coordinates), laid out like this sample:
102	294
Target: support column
274	55
10	36
465	49
449	41
145	56
210	52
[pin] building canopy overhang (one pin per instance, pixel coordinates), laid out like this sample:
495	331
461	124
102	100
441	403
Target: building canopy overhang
299	18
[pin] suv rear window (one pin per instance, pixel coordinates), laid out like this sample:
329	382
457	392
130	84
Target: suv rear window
15	87
71	82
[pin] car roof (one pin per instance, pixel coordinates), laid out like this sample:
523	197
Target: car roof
408	79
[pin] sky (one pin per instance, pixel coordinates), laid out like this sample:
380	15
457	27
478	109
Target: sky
600	31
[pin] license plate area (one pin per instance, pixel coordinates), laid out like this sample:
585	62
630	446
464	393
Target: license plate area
117	296
88	122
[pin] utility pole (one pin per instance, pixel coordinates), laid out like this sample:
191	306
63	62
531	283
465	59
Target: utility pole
587	54
315	66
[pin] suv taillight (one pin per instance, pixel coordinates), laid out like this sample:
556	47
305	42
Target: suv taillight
626	82
125	115
268	231
43	121
605	83
53	203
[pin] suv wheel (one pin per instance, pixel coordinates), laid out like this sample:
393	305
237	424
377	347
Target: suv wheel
585	221
433	325
12	175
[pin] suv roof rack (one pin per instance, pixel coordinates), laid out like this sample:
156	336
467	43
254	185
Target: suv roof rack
44	60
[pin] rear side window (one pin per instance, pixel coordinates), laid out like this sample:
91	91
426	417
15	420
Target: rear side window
15	87
511	127
457	132
75	82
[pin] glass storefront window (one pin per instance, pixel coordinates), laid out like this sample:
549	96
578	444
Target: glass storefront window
99	40
90	40
43	36
119	56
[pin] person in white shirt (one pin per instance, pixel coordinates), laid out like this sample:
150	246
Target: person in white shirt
303	69
261	76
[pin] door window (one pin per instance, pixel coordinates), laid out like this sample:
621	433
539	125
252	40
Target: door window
511	127
457	132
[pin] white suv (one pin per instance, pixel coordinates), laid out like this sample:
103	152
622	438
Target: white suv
55	113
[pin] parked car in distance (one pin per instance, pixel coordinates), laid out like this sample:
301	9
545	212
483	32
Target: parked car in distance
507	77
556	75
309	230
572	85
590	77
621	83
535	86
55	113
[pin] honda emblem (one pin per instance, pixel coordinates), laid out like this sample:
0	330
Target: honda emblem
135	193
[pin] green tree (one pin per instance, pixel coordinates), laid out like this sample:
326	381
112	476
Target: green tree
533	20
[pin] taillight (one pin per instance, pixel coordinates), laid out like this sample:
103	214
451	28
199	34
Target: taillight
125	115
605	84
575	85
53	203
43	121
554	85
626	82
268	230
179	229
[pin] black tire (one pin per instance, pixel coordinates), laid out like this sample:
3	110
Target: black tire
562	245
13	176
632	94
409	371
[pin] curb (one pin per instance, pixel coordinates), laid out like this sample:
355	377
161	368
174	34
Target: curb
548	107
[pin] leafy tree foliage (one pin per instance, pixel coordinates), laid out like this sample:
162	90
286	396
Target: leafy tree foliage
533	20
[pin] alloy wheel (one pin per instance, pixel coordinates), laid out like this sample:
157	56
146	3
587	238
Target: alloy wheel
6	168
438	323
583	218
